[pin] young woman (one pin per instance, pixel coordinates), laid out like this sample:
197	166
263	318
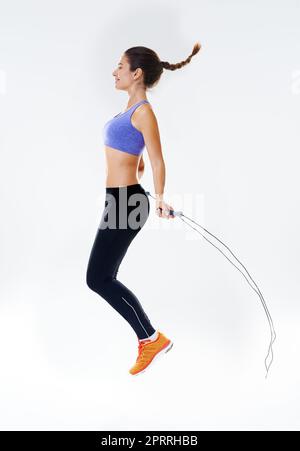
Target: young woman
125	136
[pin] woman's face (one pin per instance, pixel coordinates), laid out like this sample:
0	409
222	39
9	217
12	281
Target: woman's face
124	78
122	74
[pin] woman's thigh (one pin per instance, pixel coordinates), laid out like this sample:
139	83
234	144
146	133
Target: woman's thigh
112	241
108	250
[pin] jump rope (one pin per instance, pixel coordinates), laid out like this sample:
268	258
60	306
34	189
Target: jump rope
272	330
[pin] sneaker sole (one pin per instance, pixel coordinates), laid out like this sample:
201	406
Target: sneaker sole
159	354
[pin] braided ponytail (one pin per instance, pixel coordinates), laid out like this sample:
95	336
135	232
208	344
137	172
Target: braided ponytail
151	65
175	66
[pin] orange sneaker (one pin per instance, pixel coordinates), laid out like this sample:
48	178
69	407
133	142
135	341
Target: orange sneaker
149	351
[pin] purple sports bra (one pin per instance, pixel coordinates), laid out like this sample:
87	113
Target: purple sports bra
120	134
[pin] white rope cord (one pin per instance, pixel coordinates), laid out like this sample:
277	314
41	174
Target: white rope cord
272	330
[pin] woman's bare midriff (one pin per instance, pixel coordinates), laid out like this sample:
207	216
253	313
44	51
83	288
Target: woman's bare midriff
121	167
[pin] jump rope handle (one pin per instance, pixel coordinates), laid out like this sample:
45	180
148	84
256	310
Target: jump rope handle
171	212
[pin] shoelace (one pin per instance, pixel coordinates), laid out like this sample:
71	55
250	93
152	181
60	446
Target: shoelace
142	350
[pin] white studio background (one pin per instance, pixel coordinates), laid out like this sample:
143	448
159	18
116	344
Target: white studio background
229	125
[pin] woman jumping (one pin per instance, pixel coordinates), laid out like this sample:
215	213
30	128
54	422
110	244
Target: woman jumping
125	136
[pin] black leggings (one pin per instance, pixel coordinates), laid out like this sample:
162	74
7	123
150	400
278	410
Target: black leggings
125	212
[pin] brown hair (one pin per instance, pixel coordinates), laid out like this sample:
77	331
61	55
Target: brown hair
150	63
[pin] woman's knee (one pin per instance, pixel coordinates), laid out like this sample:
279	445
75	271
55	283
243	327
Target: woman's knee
96	281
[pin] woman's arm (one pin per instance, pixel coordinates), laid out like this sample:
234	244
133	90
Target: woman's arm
147	124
